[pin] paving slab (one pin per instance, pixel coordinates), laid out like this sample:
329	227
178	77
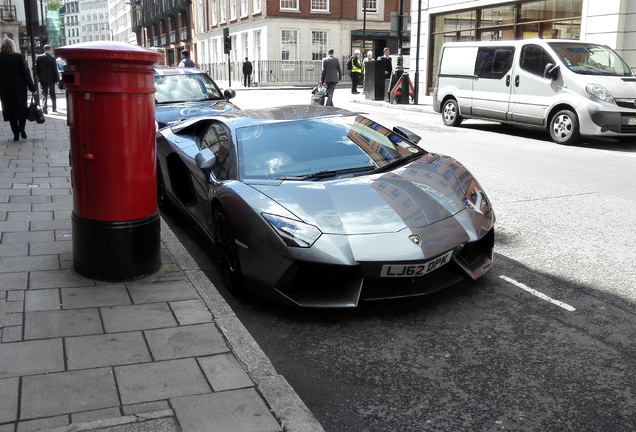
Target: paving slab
225	372
232	411
41	300
95	296
160	380
186	341
9	389
51	324
191	312
137	317
68	392
31	357
113	349
161	291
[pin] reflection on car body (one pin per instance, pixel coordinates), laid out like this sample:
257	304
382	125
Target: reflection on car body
319	207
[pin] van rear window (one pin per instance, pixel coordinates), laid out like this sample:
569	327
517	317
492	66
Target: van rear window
493	62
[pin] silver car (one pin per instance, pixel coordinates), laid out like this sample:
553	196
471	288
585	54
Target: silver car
319	207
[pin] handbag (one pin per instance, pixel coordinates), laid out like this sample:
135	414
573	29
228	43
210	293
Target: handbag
34	112
318	95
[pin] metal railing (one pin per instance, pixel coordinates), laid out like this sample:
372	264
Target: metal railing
273	71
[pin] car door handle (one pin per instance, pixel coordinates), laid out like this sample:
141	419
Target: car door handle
517	81
507	80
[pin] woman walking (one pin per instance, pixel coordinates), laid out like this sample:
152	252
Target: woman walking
14	80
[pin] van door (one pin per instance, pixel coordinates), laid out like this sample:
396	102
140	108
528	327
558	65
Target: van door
491	88
532	93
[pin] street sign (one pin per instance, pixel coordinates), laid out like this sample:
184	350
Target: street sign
397	89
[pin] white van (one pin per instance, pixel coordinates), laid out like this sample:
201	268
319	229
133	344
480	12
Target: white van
572	88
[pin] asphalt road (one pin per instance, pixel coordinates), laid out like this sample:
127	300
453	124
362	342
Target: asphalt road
544	341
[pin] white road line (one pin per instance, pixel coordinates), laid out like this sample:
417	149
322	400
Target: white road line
538	294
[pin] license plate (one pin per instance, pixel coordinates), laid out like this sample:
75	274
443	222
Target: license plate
415	270
631	121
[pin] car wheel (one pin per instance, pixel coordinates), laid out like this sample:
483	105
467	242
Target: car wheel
226	251
450	113
564	127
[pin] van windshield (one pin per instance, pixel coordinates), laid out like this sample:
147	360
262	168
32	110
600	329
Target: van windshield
589	59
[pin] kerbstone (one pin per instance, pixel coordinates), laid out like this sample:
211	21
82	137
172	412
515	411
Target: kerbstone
68	392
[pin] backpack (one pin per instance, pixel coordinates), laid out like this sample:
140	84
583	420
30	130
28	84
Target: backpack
350	64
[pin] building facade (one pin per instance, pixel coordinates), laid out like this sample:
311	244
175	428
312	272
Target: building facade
93	21
70	22
611	22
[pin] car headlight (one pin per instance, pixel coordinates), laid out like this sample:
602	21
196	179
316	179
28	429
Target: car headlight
600	92
294	233
476	199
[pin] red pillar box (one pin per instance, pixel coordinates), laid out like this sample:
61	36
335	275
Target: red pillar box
115	220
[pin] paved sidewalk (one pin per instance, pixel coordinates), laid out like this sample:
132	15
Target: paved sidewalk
164	353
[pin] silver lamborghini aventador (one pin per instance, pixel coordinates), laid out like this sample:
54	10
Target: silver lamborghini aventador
319	207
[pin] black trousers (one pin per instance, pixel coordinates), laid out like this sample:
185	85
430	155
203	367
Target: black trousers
17	126
247	80
355	79
48	89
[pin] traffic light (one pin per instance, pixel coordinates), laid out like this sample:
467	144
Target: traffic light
227	41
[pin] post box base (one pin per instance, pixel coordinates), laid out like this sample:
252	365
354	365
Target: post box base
116	251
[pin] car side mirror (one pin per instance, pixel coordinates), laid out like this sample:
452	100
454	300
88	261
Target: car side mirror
405	133
205	159
551	71
229	93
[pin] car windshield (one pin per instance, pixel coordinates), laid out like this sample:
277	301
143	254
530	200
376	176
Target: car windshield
319	148
185	88
588	59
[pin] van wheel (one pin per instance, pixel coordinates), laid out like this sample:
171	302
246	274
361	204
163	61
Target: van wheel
564	127
450	113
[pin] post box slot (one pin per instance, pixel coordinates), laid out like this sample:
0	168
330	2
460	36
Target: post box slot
70	78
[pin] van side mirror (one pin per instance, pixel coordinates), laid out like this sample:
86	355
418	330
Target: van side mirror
551	71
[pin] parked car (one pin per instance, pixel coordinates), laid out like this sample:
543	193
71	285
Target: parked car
184	93
569	87
319	207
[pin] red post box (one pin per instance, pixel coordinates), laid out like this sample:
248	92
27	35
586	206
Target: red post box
110	101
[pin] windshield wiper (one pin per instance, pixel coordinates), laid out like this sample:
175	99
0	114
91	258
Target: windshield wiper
398	162
327	173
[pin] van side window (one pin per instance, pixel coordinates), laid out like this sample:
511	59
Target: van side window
534	59
493	62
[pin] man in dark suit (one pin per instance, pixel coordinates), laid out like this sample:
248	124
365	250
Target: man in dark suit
46	69
331	75
388	66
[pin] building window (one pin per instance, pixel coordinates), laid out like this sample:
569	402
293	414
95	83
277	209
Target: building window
232	10
289	44
256	6
244	10
244	44
371	5
320	5
215	50
234	52
222	12
257	45
213	12
318	45
289	4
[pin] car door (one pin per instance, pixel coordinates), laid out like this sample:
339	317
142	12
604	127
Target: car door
532	92
491	87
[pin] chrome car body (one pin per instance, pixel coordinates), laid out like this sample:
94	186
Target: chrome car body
319	207
183	93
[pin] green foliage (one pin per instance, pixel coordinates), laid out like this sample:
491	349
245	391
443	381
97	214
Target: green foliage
55	5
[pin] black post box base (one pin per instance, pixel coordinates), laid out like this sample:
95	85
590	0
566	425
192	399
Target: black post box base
116	251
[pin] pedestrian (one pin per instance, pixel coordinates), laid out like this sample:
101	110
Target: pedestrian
331	75
356	71
247	73
367	59
185	60
388	67
48	75
14	81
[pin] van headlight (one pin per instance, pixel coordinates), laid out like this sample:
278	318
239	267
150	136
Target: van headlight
600	92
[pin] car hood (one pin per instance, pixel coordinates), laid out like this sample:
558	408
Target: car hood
175	112
415	196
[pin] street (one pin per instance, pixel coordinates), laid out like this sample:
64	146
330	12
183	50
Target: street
544	341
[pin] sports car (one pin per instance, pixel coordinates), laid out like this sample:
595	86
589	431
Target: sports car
320	207
183	93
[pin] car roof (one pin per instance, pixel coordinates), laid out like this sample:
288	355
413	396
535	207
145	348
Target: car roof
171	70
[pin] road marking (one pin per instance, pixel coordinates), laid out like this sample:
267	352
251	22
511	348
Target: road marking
538	294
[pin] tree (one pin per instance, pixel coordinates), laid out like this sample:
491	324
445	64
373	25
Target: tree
54	5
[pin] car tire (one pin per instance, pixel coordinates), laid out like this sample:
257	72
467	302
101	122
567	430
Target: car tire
450	113
226	251
564	127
